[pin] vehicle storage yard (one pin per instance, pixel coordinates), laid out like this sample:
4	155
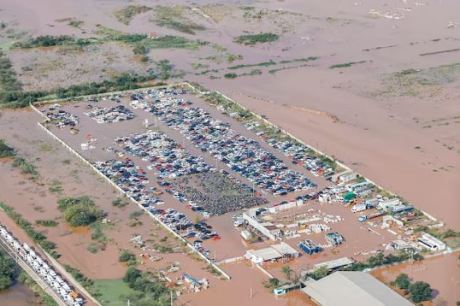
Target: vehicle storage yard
191	166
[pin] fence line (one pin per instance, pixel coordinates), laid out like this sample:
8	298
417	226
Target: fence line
191	247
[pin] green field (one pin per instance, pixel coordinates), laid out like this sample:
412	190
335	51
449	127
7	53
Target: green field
113	291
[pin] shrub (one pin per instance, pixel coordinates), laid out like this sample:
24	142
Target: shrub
127	256
252	39
47	223
420	291
119	202
230	75
5	150
402	281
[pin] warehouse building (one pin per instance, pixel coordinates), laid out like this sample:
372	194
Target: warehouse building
349	288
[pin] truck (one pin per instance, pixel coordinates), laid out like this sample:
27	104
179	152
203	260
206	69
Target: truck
309	247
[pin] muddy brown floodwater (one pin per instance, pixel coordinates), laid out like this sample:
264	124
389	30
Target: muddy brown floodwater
18	295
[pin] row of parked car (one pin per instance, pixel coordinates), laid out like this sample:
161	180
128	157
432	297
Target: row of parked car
167	159
239	153
131	179
182	225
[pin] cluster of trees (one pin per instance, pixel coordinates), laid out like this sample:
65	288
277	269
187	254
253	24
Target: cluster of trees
380	259
417	291
150	291
36	236
8	271
80	211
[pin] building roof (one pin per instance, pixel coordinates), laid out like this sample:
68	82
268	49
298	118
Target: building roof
265	254
348	288
285	249
334	264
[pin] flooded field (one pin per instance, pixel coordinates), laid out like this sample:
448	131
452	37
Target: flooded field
18	295
441	272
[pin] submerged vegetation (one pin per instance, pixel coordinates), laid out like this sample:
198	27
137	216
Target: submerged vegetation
51	41
252	39
25	167
346	65
5	150
416	82
36	236
125	15
173	17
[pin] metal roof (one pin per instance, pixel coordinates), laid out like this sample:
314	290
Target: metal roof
285	249
348	288
336	263
266	253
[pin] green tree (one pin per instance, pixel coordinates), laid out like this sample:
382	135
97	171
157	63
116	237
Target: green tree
420	291
287	271
402	281
7	271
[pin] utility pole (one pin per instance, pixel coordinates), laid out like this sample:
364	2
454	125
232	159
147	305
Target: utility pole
171	297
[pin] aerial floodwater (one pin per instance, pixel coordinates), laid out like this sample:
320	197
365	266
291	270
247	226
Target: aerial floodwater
229	152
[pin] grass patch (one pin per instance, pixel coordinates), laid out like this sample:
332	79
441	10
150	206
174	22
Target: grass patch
173	17
346	65
252	39
25	167
55	187
47	223
262	64
114	292
36	236
414	82
120	202
127	14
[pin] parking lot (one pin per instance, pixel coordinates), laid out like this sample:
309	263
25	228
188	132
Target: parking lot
160	166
